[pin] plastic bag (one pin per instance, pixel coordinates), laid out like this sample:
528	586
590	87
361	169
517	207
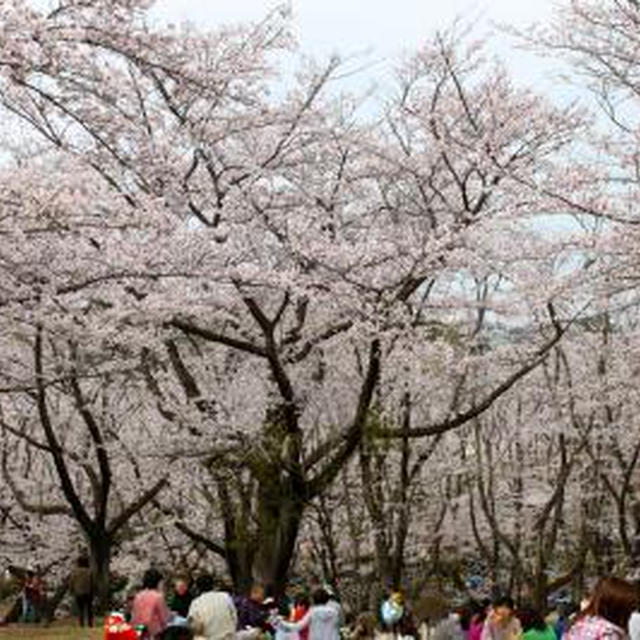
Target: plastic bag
117	628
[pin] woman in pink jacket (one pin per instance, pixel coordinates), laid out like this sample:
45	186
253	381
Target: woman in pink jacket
149	606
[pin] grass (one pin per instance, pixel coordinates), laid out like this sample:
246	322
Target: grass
65	630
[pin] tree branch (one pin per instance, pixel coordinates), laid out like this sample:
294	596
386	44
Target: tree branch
212	546
353	435
479	408
102	487
211	336
136	506
56	450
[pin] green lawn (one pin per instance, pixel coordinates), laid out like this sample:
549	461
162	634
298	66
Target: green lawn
57	631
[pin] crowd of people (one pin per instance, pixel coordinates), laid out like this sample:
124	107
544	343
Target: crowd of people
196	610
199	611
610	613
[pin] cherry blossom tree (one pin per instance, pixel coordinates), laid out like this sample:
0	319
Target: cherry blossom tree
600	43
269	271
78	428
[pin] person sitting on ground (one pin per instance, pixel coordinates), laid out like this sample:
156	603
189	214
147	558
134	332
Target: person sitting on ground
455	626
502	623
392	610
251	611
81	588
606	616
397	620
407	628
180	598
149	607
212	615
534	626
365	627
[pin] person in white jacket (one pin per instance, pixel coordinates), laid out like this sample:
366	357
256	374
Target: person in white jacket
633	629
212	615
323	619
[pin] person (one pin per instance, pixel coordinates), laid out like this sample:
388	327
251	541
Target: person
566	612
181	598
322	619
465	614
301	605
149	607
365	627
407	628
454	627
534	626
286	612
39	595
251	611
392	610
31	597
633	627
81	588
607	614
502	623
212	615
335	603
479	611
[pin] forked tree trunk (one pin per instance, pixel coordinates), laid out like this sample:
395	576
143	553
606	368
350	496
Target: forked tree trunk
280	511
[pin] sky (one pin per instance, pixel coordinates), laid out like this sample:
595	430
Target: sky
382	29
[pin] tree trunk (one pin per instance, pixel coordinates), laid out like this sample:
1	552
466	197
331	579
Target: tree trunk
540	588
242	573
280	511
100	552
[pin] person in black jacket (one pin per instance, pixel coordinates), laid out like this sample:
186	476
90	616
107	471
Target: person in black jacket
181	599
